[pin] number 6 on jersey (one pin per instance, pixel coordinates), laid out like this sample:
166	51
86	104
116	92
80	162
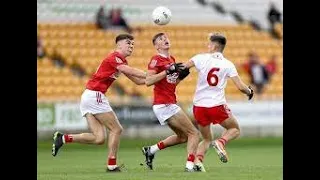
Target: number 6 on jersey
213	78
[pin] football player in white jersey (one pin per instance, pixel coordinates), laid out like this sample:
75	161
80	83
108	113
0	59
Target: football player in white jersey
209	103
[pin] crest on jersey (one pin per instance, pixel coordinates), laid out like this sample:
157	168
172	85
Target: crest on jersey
118	60
172	78
153	63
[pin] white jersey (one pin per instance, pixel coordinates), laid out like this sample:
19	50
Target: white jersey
213	73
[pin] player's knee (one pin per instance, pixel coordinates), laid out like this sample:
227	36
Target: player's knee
100	140
183	139
118	130
237	132
193	132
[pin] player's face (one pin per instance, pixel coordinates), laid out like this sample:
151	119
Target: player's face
163	42
126	46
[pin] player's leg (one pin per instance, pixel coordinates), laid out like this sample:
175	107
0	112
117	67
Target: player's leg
232	131
178	138
97	135
149	151
174	117
163	112
115	129
224	132
203	146
204	122
183	124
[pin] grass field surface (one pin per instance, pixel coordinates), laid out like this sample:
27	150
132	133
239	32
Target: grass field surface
250	159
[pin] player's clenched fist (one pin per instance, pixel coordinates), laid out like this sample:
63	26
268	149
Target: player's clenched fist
173	68
183	71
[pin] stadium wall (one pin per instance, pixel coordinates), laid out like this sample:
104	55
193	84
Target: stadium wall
136	12
257	119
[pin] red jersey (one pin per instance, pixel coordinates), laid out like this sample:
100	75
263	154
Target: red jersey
164	90
106	73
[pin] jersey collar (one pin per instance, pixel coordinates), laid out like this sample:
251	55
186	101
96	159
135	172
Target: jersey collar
217	55
162	55
118	54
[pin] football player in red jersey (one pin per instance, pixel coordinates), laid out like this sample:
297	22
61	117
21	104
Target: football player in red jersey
164	74
94	105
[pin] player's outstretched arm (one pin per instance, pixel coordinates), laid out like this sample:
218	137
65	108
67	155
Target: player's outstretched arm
189	64
153	77
242	86
136	80
184	70
127	70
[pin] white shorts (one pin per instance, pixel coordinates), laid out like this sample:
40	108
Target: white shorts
164	111
94	102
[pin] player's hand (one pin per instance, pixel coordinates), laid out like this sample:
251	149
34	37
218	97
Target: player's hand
251	93
172	69
183	73
181	66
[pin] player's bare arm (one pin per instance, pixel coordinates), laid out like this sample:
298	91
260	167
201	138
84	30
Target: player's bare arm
189	64
242	86
127	70
153	77
136	80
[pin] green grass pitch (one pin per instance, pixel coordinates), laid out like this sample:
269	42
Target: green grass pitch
250	159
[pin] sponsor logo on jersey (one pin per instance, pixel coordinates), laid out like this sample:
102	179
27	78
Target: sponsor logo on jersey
172	78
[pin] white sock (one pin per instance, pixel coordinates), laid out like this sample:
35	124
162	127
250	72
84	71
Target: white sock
154	149
189	165
112	167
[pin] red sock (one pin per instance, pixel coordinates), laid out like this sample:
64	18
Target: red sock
200	157
112	161
161	145
67	138
223	141
191	157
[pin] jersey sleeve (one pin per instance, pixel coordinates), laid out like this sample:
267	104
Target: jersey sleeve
197	60
232	71
154	64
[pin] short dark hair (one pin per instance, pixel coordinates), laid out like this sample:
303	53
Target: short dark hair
155	37
124	36
220	39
